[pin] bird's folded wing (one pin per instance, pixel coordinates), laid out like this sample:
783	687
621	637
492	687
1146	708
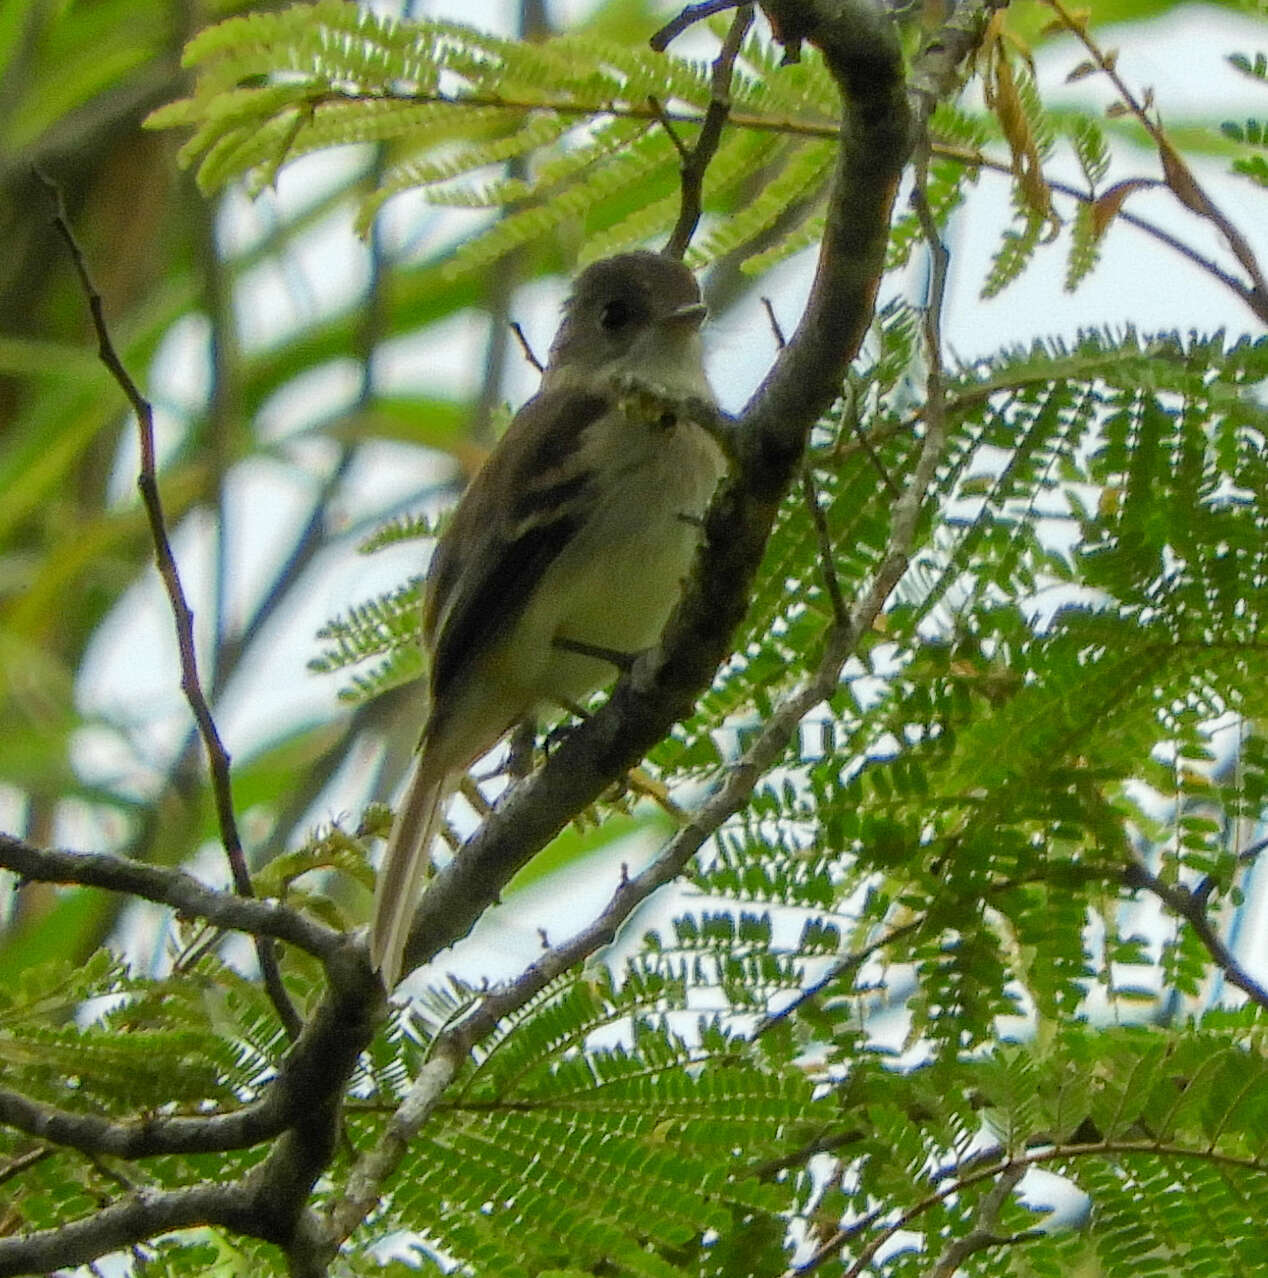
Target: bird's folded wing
524	507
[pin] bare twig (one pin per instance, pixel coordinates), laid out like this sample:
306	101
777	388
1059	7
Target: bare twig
182	615
529	354
667	123
775	327
940	259
174	888
863	442
696	163
827	560
692	14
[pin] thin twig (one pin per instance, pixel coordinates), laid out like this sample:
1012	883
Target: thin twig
667	123
842	968
775	327
16	1166
182	615
1202	893
692	14
529	353
939	261
827	560
471	792
827	563
521	750
696	163
864	444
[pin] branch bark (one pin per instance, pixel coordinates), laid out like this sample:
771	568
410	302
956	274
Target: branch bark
143	1137
174	888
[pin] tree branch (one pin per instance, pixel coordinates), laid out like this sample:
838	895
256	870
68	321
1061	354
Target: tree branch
983	1234
696	161
1192	908
140	1215
184	893
692	14
142	1137
182	615
769	439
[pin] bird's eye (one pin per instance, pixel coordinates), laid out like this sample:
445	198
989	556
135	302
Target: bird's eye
615	315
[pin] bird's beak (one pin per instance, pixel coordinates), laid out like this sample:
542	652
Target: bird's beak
687	316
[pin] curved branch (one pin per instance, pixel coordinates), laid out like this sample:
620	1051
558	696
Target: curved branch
142	1137
184	893
1191	907
862	51
140	1215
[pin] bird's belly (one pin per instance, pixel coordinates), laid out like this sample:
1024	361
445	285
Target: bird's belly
615	586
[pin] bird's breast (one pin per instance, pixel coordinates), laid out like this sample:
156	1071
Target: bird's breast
616	583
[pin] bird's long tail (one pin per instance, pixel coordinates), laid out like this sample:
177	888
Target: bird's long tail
404	863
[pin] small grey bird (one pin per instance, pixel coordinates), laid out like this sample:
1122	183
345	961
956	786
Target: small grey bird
577	533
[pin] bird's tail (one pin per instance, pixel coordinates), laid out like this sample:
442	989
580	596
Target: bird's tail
404	863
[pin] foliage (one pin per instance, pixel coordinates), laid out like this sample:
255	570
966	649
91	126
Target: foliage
918	969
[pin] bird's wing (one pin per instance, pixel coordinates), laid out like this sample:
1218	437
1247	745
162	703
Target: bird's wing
491	557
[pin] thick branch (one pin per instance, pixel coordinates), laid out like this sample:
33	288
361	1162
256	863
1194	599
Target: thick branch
141	1137
140	1215
169	887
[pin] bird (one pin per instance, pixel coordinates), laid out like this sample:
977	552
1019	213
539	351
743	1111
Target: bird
569	548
